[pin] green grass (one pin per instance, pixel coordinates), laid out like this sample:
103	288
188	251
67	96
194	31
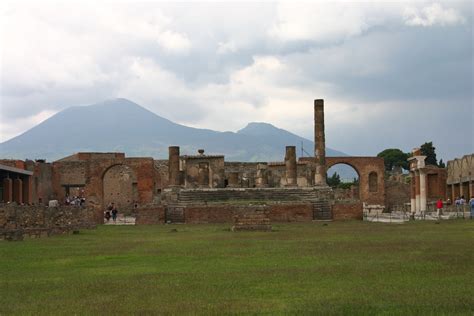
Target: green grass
342	268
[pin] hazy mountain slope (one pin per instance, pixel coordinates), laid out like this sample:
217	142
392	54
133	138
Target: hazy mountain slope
121	125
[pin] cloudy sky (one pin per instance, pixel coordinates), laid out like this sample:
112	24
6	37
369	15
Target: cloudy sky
393	74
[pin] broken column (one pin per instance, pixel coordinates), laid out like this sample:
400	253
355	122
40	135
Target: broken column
173	166
319	143
290	164
261	179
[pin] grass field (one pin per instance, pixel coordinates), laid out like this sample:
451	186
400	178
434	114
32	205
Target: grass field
342	268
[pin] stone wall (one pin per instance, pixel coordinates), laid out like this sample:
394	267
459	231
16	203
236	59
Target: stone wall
17	222
396	194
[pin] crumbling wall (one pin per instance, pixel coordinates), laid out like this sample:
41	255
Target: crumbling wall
17	222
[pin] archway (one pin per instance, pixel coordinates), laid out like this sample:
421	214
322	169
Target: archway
120	186
344	179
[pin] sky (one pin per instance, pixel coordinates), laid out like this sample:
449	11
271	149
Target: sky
392	74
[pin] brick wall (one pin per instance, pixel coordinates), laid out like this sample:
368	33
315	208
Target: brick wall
347	210
291	212
150	215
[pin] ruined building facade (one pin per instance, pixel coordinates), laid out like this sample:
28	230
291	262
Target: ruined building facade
197	188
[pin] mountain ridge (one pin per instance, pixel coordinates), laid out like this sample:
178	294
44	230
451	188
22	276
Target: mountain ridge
122	125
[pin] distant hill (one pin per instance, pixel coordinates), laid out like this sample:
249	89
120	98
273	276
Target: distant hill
123	126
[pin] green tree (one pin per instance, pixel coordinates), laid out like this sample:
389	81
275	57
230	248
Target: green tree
334	180
428	150
394	157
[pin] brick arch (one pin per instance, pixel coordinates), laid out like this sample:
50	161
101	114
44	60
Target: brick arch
119	185
364	166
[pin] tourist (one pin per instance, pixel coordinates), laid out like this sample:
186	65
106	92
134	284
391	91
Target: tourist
107	215
439	207
114	214
471	203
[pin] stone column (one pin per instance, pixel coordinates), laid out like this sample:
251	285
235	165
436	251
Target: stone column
173	166
452	193
290	164
7	190
417	190
423	190
27	186
461	191
319	143
413	193
471	190
18	191
233	180
261	180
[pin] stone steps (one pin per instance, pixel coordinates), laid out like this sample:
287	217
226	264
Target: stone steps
222	195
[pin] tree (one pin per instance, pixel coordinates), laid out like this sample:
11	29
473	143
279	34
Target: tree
334	180
441	164
428	150
394	157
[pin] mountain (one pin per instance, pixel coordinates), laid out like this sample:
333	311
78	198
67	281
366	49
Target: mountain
123	126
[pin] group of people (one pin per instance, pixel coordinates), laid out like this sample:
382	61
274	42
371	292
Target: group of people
458	202
111	212
75	200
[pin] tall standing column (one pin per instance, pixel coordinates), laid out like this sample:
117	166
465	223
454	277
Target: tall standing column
18	191
27	185
173	165
417	190
319	143
413	193
422	191
7	190
290	164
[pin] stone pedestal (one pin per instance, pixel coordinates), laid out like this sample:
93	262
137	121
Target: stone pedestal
252	219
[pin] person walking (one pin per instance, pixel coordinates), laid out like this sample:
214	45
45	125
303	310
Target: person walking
439	207
471	203
114	214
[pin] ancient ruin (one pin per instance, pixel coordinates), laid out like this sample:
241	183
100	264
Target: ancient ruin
198	188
